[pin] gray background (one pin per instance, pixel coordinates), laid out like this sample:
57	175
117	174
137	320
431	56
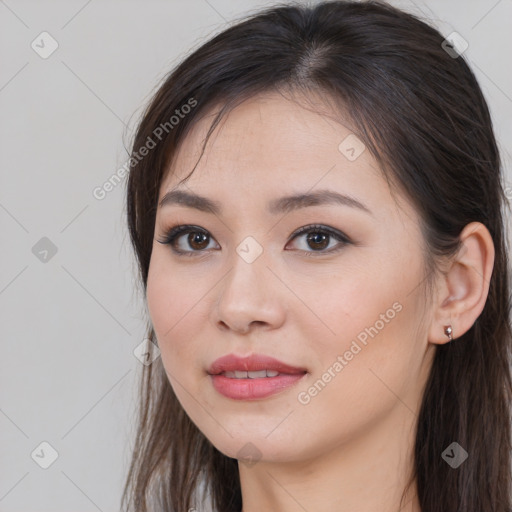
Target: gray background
69	324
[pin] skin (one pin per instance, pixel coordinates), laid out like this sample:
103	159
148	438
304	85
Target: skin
348	448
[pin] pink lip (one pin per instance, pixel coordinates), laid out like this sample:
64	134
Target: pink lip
252	363
252	389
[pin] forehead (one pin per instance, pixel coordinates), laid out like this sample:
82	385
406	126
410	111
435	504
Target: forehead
267	131
271	146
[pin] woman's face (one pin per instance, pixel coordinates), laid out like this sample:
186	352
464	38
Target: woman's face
348	311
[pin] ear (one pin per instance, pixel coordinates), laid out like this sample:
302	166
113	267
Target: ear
462	291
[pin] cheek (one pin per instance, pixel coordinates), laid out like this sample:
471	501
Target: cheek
369	318
159	296
365	372
165	306
176	312
339	306
167	294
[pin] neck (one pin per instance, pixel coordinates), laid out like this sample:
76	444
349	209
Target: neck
368	473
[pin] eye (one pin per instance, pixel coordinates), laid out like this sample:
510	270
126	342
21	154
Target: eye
319	237
196	239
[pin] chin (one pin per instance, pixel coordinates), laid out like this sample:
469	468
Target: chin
252	449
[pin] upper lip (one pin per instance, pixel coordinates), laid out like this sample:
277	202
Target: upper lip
254	362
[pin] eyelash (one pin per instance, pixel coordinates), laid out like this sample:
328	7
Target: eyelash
176	231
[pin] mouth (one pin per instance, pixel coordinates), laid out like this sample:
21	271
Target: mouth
255	366
261	374
254	377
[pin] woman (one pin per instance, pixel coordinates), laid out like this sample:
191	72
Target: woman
318	221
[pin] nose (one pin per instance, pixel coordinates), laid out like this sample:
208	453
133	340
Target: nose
249	297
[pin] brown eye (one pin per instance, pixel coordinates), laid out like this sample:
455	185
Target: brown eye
317	240
197	240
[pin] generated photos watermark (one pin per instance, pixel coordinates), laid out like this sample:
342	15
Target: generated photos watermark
100	192
305	397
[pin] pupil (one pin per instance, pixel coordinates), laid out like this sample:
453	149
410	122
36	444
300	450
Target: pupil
194	238
313	238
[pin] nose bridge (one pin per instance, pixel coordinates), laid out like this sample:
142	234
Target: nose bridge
248	268
247	294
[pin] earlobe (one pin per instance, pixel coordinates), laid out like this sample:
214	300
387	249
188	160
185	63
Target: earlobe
464	288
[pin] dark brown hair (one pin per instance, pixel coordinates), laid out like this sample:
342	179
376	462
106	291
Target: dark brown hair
421	113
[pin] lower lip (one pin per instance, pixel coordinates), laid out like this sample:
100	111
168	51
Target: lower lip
252	389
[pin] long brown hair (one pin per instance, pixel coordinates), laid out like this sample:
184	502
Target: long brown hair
421	113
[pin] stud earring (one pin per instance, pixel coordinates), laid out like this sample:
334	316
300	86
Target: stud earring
448	332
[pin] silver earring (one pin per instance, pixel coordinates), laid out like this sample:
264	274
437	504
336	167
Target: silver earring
448	332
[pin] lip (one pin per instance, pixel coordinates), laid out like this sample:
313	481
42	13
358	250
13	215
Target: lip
252	363
252	389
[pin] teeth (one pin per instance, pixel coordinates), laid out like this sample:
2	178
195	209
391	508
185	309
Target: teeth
251	375
257	375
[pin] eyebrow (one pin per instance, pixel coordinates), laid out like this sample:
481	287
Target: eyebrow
281	205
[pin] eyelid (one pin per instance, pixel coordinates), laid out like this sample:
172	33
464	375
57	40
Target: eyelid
174	232
335	233
341	238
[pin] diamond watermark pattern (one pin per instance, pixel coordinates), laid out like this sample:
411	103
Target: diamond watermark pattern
44	455
146	352
249	249
351	147
454	455
44	45
44	249
455	45
249	454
